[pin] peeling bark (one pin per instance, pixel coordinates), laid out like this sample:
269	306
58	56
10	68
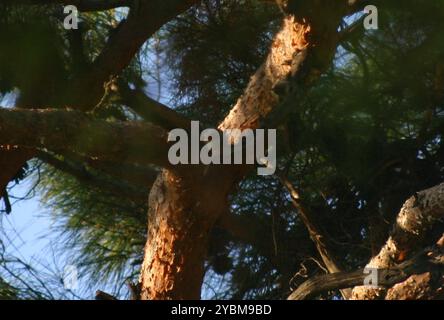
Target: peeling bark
417	287
416	217
259	98
420	277
182	212
178	233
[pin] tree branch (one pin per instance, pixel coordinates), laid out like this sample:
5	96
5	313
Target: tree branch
145	18
73	131
416	217
84	175
137	175
426	261
170	207
86	90
315	232
300	53
152	110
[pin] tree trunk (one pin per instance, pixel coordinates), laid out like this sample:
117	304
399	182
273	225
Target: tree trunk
182	211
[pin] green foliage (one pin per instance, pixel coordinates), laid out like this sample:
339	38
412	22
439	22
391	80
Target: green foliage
101	234
7	292
30	48
213	50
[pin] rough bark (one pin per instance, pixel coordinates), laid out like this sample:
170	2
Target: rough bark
399	277
184	204
178	236
175	251
416	217
299	54
425	268
423	286
259	98
183	209
417	287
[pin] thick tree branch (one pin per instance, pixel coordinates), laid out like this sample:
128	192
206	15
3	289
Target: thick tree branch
152	110
300	53
83	174
86	90
416	217
135	174
61	131
7	202
138	175
259	98
427	261
174	261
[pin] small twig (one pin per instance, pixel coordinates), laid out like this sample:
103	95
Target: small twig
8	207
110	87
